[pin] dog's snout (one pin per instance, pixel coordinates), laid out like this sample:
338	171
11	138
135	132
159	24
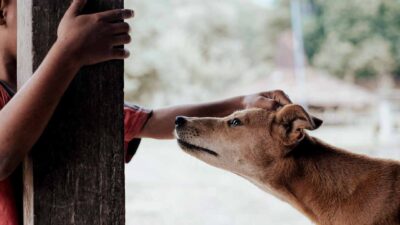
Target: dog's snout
180	121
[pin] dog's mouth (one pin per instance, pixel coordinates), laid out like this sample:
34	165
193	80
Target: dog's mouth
195	148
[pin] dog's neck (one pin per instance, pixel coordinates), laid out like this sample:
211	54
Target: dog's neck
317	178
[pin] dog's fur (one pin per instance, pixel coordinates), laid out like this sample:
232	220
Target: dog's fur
271	149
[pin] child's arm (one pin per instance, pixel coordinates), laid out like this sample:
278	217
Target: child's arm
82	40
161	123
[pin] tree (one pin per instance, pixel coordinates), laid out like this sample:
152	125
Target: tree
191	50
356	38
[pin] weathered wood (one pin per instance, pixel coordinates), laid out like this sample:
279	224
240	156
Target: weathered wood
76	171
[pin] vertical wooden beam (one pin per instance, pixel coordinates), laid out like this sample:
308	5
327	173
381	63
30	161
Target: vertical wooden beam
24	71
75	174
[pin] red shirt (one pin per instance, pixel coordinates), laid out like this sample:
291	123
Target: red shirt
134	120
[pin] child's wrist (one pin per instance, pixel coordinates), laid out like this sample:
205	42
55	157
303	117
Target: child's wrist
234	104
67	55
241	102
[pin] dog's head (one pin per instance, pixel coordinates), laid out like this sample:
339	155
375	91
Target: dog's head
246	140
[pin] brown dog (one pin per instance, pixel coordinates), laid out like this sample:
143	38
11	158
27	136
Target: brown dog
272	150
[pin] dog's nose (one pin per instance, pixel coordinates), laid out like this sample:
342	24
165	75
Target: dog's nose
180	121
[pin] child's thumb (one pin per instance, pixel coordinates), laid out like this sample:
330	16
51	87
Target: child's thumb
76	7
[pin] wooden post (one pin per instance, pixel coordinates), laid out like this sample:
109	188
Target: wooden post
75	173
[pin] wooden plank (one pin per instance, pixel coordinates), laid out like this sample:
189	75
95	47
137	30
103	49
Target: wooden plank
25	70
76	171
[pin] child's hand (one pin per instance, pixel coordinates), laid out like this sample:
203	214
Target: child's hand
269	100
93	38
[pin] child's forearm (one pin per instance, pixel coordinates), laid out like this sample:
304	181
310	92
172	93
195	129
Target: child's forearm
24	118
161	124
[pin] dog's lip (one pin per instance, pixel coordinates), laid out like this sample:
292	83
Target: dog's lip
194	147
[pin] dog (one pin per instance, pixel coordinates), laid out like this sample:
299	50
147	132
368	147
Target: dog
271	149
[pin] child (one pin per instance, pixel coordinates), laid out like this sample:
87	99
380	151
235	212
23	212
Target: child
82	40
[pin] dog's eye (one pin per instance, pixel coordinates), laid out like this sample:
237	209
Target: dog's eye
234	123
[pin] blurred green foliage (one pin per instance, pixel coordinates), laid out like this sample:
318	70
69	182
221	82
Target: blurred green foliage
353	38
186	50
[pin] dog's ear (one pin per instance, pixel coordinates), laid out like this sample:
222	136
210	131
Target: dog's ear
292	120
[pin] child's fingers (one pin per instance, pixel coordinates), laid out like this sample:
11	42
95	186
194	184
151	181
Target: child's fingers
116	15
119	28
280	96
266	103
76	7
121	39
119	53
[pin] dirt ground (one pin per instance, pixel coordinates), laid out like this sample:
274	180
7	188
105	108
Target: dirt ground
164	186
